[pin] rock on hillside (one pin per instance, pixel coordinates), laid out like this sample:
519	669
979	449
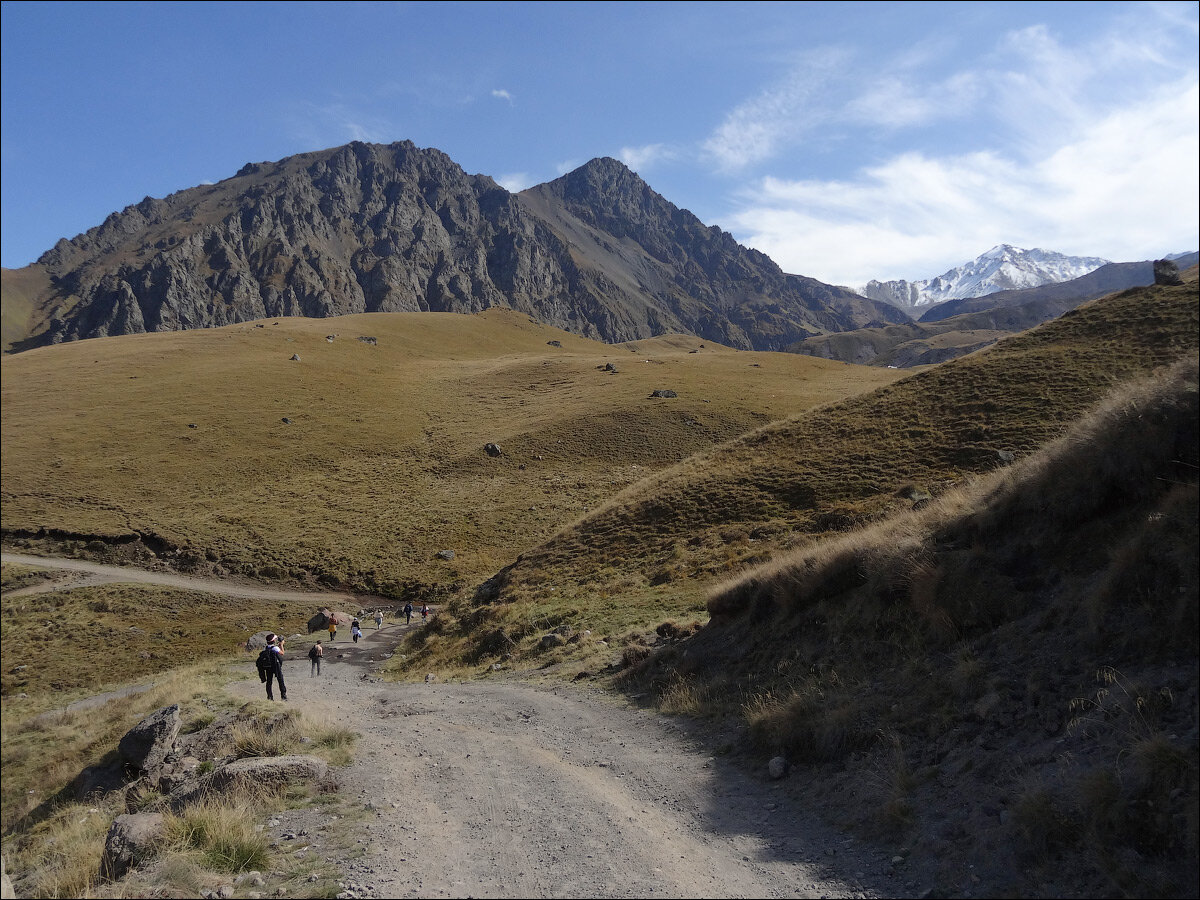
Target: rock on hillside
390	228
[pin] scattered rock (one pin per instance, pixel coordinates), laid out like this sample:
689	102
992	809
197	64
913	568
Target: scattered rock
369	340
430	678
329	338
445	554
286	421
550	641
553	343
663	393
295	357
492	450
131	840
777	767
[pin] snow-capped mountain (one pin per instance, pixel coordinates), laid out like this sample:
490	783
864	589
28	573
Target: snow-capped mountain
1002	268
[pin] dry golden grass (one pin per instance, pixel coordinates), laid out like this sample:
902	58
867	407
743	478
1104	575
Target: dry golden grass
382	465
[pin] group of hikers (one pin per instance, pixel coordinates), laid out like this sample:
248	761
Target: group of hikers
270	661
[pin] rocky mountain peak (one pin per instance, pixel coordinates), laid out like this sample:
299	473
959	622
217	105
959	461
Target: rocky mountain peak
395	228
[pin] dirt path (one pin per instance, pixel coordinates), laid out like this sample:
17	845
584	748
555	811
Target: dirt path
510	789
82	573
507	788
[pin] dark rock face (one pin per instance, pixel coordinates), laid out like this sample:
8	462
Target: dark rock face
389	228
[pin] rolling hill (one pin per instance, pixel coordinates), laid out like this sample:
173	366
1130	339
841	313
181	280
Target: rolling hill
832	469
362	459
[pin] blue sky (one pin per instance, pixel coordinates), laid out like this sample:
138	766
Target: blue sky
847	141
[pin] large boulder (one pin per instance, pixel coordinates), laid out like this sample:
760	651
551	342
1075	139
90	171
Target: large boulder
1166	271
275	771
145	746
132	839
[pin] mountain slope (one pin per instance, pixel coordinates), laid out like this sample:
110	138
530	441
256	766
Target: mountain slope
848	463
1020	658
374	228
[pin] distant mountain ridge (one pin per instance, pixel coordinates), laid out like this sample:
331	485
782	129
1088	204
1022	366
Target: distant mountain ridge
957	327
1002	268
379	228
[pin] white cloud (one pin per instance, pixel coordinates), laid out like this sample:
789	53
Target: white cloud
642	158
1087	149
501	94
338	123
760	127
567	165
514	182
1125	187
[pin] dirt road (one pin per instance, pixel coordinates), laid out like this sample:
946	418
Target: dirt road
510	789
82	572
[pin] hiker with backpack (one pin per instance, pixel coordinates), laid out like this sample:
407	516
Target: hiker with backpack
407	613
355	631
315	653
332	627
424	610
378	619
270	666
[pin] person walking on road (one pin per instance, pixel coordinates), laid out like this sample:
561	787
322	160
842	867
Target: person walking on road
275	668
332	628
315	653
407	613
355	632
424	610
378	619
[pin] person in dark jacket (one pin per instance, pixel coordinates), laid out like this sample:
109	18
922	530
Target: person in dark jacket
275	669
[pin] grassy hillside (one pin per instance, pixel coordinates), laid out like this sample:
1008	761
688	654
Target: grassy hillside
20	299
359	462
1002	683
657	548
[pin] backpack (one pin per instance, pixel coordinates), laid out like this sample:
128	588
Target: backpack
264	663
312	652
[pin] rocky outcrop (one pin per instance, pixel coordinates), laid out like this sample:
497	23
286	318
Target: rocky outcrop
389	228
146	746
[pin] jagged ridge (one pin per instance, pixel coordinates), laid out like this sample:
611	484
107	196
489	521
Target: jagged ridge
390	228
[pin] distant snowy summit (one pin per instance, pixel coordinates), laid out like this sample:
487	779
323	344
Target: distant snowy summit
1003	268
